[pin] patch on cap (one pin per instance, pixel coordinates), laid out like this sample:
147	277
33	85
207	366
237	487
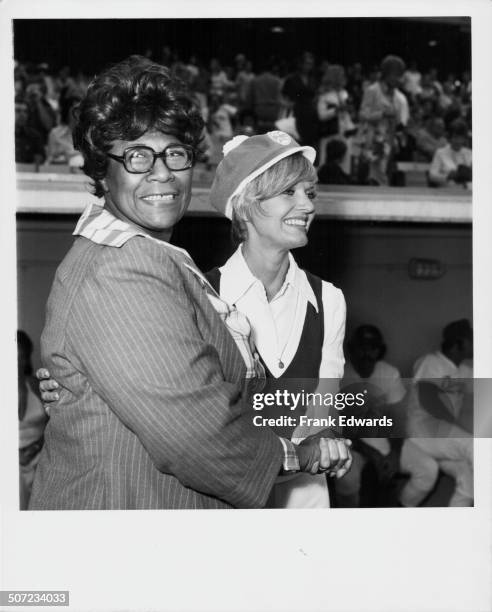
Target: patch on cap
281	138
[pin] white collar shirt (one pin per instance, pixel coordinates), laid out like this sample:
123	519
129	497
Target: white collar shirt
277	325
386	386
446	160
439	370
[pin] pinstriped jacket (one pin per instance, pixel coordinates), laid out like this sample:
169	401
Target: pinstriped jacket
151	408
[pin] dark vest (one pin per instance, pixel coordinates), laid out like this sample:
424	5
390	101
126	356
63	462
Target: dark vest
302	374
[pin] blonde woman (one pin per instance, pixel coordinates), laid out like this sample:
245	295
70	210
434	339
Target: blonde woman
266	185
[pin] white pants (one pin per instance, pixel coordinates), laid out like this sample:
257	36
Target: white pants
422	468
455	458
300	491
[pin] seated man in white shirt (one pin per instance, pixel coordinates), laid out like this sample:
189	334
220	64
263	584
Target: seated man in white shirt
453	162
437	400
386	396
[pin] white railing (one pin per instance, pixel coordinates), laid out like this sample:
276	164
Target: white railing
62	193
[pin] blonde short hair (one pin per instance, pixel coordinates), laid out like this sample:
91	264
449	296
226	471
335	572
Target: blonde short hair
275	180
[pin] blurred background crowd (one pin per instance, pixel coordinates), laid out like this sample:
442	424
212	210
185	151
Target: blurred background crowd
364	120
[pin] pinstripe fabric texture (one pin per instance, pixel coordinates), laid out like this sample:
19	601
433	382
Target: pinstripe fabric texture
151	410
100	226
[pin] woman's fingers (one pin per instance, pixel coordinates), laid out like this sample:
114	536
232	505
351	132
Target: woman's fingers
341	458
347	459
348	465
343	452
329	455
325	456
334	454
48	388
336	458
48	385
42	373
49	396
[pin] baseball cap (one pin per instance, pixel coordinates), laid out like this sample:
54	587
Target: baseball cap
245	158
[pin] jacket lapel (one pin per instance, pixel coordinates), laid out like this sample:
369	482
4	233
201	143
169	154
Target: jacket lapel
213	330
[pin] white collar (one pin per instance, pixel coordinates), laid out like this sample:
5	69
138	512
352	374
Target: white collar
102	227
237	279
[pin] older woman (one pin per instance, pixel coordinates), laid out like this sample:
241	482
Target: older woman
384	111
150	411
266	186
333	114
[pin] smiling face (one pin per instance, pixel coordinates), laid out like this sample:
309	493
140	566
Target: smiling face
154	201
282	221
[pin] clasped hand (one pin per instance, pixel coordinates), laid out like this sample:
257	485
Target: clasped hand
319	454
48	387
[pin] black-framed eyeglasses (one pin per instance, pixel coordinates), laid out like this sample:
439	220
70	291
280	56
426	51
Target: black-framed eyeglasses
141	158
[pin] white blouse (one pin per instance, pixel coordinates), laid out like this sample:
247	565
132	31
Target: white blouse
276	329
277	325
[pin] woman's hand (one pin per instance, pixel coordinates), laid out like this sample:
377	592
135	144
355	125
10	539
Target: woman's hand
318	455
47	386
340	447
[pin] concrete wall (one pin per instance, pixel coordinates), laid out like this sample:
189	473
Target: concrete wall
410	313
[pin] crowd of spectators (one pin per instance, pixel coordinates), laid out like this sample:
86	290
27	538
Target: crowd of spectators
363	121
43	114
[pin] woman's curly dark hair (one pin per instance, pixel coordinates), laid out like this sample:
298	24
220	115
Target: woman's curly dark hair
124	102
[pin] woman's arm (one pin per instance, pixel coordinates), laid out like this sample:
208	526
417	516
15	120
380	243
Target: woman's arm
332	357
